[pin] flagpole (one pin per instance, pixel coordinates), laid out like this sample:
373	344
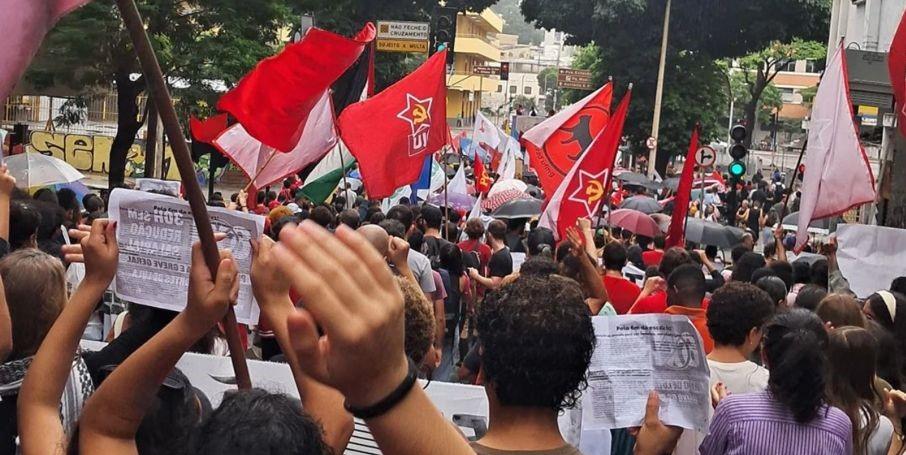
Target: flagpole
789	191
446	202
261	169
343	169
151	69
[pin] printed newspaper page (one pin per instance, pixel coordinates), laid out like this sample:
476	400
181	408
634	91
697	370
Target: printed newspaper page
636	354
155	235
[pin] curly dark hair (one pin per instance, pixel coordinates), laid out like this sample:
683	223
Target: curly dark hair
537	339
735	309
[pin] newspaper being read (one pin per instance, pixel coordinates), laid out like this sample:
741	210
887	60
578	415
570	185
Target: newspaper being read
155	235
640	353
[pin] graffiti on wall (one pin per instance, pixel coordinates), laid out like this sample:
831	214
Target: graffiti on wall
92	153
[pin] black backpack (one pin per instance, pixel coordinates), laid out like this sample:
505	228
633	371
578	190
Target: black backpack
452	308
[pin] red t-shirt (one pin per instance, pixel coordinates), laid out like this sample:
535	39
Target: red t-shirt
482	249
621	293
654	303
652	258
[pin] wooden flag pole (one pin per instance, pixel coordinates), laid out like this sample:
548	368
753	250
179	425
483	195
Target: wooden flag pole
151	69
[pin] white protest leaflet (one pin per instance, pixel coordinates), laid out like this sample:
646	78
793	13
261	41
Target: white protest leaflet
870	257
636	354
155	235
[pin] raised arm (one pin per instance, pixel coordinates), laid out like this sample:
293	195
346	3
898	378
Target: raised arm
40	429
595	292
112	415
351	296
324	403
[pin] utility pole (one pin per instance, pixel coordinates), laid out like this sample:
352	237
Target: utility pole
659	94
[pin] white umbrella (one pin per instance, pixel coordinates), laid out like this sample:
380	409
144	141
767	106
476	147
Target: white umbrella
36	169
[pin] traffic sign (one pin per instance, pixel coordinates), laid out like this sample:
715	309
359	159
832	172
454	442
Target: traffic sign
403	30
485	70
651	143
705	156
574	79
402	45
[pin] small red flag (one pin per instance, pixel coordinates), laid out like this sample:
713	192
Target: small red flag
896	65
555	144
586	186
482	179
273	101
208	129
391	134
676	234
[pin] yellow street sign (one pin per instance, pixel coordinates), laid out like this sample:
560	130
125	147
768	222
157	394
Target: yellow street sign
400	45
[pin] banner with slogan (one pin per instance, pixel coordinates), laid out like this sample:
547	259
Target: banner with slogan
155	235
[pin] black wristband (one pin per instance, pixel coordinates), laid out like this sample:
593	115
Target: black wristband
390	401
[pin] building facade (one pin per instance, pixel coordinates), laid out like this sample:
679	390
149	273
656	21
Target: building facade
476	45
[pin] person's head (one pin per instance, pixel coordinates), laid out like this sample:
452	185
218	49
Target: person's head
175	414
660	241
536	340
747	265
736	315
35	286
431	217
350	218
282	223
810	296
711	252
801	272
401	213
474	228
419	321
92	203
416	239
761	273
889	310
256	421
673	258
737	252
376	236
540	240
24	220
539	265
748	241
839	310
615	256
852	354
70	203
496	231
819	273
770	249
889	364
46	195
793	351
451	259
686	286
898	285
278	213
784	271
271	196
775	288
394	228
322	215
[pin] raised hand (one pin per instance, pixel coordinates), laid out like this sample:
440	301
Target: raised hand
269	284
398	252
350	293
7	181
100	252
653	437
208	299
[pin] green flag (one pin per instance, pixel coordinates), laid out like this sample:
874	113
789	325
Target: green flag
325	177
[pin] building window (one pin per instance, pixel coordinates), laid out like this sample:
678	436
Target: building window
513	89
814	66
527	90
499	88
786	66
787	95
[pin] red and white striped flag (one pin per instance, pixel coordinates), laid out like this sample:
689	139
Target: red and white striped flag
837	176
24	24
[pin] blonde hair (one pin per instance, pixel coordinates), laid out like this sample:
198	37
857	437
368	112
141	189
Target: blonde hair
35	286
419	321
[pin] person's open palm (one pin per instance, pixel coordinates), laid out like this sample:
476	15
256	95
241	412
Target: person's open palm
100	251
209	298
350	293
7	181
269	284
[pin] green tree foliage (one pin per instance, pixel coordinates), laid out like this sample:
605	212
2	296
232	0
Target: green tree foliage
516	23
769	101
628	33
758	70
199	43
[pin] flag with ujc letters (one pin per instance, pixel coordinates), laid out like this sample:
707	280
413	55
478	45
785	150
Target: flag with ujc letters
391	133
24	24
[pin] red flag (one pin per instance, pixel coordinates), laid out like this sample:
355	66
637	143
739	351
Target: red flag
24	24
896	65
676	234
555	144
208	129
585	187
391	134
273	101
482	179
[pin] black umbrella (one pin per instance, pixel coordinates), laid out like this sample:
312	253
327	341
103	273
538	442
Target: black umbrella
711	233
519	208
643	204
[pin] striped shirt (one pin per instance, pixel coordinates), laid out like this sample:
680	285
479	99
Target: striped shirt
755	423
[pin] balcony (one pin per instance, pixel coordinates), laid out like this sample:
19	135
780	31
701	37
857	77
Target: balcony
477	45
469	83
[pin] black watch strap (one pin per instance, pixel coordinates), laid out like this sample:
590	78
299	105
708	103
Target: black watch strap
390	401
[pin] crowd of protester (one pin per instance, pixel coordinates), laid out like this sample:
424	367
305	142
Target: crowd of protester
360	301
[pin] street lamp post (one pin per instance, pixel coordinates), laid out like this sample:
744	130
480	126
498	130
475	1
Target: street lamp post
659	94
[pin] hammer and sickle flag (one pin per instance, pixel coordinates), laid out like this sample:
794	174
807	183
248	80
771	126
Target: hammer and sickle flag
586	186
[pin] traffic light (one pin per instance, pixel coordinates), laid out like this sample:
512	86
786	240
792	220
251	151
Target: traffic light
738	152
445	30
504	71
